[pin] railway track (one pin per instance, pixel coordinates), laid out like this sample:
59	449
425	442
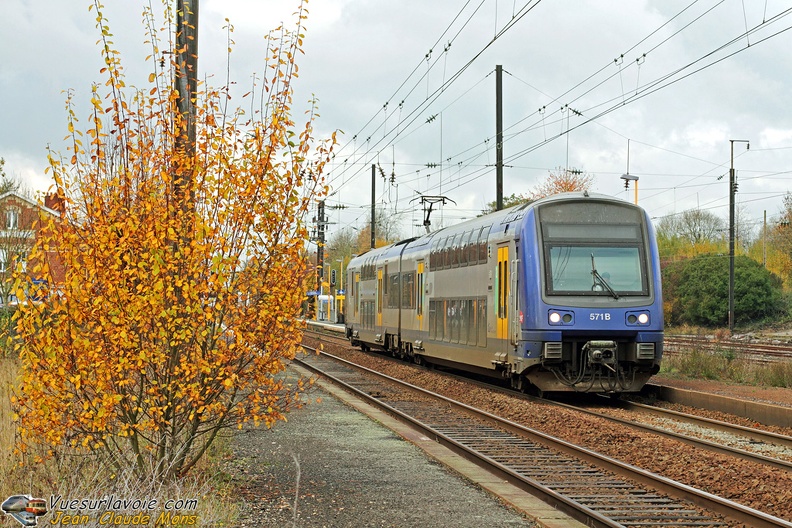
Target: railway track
747	443
598	490
750	444
758	352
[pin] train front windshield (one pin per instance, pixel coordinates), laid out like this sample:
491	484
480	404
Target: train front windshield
593	269
594	249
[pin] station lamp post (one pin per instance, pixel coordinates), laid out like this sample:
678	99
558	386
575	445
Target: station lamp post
627	179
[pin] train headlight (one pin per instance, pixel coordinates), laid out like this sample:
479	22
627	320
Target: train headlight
557	317
638	318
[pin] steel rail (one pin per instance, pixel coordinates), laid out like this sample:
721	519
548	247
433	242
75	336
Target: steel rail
757	435
753	434
738	430
687	493
692	440
554	499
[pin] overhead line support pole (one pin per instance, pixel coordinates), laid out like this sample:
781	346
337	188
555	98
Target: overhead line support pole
498	137
321	222
373	202
186	81
732	191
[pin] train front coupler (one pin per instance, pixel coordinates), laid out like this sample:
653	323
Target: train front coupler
601	353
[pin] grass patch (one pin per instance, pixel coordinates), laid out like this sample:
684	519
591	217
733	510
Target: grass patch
723	364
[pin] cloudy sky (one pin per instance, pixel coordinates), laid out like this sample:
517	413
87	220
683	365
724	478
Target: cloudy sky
411	85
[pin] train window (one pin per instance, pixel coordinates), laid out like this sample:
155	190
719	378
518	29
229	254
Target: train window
471	323
432	319
463	260
368	314
465	249
420	288
482	244
481	317
379	291
503	285
590	214
440	320
367	270
446	327
472	247
620	270
449	241
455	250
453	318
393	289
433	263
462	316
408	291
356	293
460	250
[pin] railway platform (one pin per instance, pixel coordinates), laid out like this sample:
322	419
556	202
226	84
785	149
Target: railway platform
338	462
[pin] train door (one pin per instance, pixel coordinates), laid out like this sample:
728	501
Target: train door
503	278
514	299
419	298
379	297
356	295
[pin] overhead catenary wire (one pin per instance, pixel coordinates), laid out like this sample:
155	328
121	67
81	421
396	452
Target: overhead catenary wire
414	114
649	88
467	168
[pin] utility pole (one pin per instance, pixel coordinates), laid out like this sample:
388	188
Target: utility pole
321	222
373	202
186	81
764	240
732	191
498	137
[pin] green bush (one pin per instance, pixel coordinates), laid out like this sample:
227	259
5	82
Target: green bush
697	291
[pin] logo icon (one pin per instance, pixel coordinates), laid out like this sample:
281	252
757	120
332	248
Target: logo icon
24	509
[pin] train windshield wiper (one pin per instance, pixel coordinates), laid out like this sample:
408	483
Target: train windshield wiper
599	279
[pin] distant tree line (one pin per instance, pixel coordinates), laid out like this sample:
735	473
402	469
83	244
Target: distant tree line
694	252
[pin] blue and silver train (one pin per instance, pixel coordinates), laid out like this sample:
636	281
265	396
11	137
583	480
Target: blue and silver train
557	295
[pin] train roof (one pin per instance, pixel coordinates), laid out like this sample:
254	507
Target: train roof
504	216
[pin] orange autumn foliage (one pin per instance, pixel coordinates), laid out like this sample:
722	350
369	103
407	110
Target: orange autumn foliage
173	323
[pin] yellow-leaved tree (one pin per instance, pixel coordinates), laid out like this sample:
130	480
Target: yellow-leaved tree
182	265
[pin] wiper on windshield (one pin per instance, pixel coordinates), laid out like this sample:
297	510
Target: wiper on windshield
599	280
